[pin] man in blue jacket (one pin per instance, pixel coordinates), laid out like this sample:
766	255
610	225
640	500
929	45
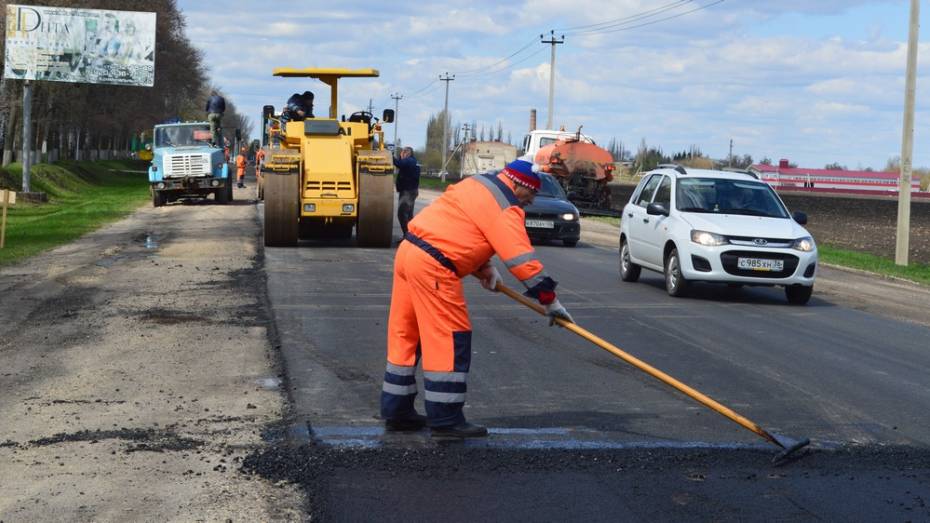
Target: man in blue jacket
407	185
216	106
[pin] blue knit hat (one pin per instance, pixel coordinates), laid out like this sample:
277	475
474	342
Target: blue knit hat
521	172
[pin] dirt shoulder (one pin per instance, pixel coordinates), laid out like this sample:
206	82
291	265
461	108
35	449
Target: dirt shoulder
888	297
136	373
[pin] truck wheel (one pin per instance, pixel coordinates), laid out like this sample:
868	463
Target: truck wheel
158	199
222	194
282	209
375	209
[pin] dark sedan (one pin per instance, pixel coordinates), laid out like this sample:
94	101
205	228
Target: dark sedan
552	216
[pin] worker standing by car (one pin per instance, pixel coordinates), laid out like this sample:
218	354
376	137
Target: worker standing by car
454	237
407	185
216	106
240	167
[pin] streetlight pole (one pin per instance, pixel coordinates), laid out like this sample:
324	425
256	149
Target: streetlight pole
553	42
902	243
445	125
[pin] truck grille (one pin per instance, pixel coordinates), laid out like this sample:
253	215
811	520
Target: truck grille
187	165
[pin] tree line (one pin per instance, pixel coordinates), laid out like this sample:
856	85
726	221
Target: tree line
90	121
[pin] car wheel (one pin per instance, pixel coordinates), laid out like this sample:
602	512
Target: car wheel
629	271
570	243
675	282
798	294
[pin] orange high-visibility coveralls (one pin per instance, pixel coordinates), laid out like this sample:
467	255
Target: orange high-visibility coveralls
259	160
240	167
453	237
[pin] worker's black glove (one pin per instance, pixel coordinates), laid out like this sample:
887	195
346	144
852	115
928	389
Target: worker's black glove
556	310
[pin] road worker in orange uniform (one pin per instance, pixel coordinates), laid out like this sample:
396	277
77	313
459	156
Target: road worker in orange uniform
453	237
240	167
259	163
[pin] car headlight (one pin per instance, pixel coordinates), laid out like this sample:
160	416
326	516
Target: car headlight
708	239
805	244
569	217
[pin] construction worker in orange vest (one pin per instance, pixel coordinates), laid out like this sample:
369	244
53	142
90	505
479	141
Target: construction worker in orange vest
240	167
259	162
453	237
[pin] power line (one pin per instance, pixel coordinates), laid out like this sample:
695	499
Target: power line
625	19
495	64
518	62
651	22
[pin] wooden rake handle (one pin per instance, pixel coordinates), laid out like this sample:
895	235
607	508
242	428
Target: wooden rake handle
694	394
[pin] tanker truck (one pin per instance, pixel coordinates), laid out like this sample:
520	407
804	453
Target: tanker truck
581	167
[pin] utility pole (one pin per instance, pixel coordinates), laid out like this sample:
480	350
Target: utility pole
27	134
445	125
397	98
730	158
902	244
553	42
371	106
465	143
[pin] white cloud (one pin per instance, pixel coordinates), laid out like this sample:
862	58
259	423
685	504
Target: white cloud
729	71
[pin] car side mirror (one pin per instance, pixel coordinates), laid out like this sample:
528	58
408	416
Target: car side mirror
388	116
656	209
800	217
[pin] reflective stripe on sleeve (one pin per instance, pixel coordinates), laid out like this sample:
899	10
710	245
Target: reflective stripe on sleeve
521	259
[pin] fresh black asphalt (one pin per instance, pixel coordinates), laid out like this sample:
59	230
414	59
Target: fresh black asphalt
578	434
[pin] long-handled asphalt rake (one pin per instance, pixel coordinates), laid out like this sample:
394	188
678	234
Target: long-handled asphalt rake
788	445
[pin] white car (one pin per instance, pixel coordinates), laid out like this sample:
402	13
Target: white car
715	226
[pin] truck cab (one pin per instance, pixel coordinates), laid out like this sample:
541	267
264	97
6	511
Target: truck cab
539	138
186	164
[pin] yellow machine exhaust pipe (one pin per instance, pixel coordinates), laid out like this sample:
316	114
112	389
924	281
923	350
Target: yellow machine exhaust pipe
788	445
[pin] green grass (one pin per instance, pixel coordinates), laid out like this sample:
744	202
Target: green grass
919	273
83	196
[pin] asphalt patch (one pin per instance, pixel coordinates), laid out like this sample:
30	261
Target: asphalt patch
149	440
684	484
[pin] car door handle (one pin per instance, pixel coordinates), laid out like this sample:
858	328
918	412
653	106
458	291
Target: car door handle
645	220
629	214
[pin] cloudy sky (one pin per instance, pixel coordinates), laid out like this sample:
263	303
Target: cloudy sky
815	81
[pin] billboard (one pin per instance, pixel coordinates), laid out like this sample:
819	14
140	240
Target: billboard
94	46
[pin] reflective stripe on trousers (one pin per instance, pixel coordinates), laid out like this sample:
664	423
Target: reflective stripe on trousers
428	317
398	391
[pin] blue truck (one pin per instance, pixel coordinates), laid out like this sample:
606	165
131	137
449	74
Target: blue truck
186	164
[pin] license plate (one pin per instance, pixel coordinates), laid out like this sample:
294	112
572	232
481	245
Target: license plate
760	264
540	224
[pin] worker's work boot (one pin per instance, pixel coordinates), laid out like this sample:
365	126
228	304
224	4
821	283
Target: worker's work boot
461	431
411	423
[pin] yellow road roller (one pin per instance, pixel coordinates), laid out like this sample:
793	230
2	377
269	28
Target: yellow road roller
324	177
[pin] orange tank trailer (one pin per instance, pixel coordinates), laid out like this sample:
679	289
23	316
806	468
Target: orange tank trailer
583	169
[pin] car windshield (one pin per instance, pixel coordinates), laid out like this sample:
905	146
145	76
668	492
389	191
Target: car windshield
550	187
725	196
182	135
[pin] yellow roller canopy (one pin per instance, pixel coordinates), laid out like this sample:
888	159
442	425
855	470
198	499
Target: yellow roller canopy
318	72
329	77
